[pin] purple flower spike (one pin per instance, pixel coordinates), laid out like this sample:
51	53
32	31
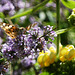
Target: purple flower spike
28	45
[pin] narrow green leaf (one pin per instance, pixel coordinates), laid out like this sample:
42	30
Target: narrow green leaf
37	7
64	30
61	31
22	14
68	3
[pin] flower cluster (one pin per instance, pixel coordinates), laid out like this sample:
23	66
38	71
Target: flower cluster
67	53
10	6
48	57
28	61
28	45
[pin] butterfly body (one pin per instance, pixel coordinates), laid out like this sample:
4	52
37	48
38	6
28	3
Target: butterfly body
12	30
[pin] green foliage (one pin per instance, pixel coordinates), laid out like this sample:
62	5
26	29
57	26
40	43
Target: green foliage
44	73
1	59
61	68
30	11
71	19
64	30
30	72
68	3
2	15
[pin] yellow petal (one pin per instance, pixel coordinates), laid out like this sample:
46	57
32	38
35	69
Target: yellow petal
70	46
64	51
71	54
62	58
52	49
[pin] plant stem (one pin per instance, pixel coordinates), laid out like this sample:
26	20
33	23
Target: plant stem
58	21
11	69
37	7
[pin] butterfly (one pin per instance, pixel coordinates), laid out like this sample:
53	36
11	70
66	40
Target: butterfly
12	30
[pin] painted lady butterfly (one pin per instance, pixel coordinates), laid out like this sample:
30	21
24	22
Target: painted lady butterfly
12	30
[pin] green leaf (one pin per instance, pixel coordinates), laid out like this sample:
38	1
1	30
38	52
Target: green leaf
30	11
44	73
61	31
69	4
64	30
1	15
1	60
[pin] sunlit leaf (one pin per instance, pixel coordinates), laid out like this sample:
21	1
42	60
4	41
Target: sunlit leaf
68	3
64	30
44	73
1	15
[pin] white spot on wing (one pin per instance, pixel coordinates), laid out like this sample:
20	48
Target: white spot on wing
4	24
10	26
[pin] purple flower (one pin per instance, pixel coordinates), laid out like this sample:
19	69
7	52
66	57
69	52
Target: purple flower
22	18
28	61
21	4
32	19
10	6
12	12
13	49
30	44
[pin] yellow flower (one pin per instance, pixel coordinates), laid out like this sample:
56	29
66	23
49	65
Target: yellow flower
40	59
52	49
46	58
67	53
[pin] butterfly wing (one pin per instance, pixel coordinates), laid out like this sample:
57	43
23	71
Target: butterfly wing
11	30
30	26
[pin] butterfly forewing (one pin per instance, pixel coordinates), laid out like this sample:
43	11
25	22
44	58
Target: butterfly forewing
12	30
